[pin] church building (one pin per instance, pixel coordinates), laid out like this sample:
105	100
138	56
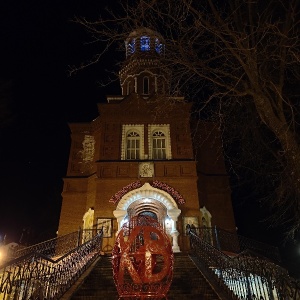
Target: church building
139	157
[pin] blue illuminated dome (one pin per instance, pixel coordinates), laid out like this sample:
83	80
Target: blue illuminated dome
144	40
143	71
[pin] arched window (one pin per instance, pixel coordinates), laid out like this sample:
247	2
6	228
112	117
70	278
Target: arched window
130	47
159	145
145	43
133	145
163	88
146	85
128	87
158	46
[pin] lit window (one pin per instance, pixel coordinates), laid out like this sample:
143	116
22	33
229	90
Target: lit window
158	46
133	145
131	47
146	85
159	141
145	43
159	145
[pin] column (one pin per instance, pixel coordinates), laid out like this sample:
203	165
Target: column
119	214
173	214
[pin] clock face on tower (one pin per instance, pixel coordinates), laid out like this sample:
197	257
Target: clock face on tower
146	169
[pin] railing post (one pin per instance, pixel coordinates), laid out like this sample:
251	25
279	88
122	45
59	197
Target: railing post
217	239
78	237
271	296
247	275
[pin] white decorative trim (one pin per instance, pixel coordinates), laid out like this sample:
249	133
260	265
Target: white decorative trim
165	128
88	146
147	191
132	127
135	84
114	98
146	169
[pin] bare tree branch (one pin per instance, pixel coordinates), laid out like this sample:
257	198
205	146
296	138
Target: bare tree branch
245	55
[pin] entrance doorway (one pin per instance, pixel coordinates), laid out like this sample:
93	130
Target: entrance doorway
150	201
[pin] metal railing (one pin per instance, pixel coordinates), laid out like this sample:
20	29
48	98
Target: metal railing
49	248
48	270
233	243
244	277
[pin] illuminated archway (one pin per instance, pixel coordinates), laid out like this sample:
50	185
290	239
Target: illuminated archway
147	194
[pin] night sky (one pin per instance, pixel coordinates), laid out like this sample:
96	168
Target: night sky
38	99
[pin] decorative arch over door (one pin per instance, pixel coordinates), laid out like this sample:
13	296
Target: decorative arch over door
149	198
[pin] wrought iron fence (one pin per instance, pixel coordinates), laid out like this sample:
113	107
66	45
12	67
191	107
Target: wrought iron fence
50	248
48	270
244	277
233	243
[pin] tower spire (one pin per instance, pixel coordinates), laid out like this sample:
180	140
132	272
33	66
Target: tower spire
143	72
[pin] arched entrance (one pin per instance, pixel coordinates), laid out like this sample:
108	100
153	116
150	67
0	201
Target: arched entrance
151	201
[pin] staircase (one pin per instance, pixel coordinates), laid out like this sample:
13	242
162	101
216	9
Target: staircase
99	284
65	269
188	282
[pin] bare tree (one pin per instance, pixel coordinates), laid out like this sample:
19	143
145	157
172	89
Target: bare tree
245	55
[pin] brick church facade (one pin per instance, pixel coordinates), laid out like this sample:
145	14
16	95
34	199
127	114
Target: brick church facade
137	157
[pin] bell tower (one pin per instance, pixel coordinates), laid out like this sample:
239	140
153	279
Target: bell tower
136	158
143	71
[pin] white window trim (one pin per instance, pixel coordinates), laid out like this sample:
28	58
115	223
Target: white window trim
128	88
165	128
125	130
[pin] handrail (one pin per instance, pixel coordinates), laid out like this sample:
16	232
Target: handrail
48	248
234	243
39	276
245	277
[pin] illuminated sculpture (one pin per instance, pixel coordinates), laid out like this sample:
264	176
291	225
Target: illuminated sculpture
142	260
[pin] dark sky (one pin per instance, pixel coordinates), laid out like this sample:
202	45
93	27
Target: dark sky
38	43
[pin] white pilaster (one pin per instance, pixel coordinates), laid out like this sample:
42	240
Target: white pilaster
119	215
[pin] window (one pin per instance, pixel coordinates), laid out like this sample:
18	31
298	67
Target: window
131	47
133	145
158	46
146	85
159	141
159	145
145	43
128	88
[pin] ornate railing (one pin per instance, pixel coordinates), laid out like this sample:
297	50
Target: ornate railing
233	243
49	248
242	276
48	270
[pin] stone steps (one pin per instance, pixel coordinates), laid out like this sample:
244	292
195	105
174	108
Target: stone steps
188	282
